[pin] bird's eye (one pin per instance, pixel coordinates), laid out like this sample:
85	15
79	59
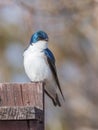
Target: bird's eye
39	38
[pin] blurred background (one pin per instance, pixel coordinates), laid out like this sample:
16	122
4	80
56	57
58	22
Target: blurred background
72	26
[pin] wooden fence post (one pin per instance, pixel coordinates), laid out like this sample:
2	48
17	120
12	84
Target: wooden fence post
21	106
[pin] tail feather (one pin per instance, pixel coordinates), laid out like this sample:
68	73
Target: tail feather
55	100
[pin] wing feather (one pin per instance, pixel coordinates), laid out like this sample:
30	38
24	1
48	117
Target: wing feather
51	62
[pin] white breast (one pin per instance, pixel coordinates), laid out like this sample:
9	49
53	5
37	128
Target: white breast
35	65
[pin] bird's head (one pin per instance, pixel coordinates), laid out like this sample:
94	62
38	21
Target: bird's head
38	36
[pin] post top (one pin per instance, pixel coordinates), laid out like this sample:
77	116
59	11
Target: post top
21	101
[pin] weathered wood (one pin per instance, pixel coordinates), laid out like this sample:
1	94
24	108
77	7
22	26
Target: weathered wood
20	113
14	125
21	101
21	125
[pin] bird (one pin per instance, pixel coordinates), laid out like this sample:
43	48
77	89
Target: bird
39	65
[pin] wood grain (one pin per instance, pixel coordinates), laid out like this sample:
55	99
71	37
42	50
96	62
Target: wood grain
21	101
20	113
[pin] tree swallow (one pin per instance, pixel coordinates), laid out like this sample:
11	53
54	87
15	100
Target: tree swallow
39	64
